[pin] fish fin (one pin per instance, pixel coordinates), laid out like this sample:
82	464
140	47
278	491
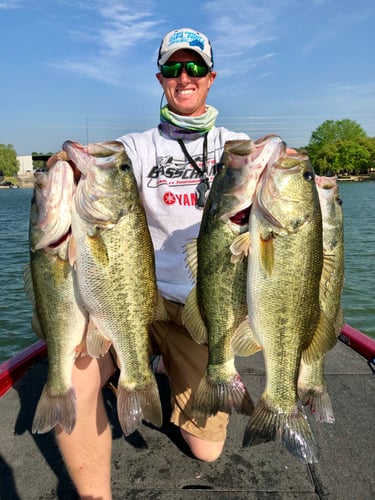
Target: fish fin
212	397
80	350
191	258
28	284
267	424
312	391
53	410
29	290
243	342
192	318
339	323
97	343
267	256
332	279
160	312
72	251
98	247
324	339
36	326
240	248
133	406
319	403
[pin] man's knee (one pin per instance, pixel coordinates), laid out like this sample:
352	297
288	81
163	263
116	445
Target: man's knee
207	451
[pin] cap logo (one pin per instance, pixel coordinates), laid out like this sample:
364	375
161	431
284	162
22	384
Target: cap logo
193	39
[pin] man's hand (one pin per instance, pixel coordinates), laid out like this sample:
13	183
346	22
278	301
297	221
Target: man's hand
61	155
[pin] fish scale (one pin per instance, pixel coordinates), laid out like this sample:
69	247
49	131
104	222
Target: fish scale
216	306
114	263
284	270
49	281
312	389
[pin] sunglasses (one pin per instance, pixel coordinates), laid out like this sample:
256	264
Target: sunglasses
193	68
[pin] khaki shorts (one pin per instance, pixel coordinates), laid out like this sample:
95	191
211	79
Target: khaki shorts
185	362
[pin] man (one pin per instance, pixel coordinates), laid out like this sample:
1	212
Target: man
174	165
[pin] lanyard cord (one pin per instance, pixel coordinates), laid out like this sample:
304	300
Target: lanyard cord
204	185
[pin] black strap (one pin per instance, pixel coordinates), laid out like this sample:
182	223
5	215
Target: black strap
204	184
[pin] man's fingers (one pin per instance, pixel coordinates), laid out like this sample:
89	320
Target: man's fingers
61	155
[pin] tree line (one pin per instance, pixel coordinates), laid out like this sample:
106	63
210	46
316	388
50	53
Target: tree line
341	147
338	147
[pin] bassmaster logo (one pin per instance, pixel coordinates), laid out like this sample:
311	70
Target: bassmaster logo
173	174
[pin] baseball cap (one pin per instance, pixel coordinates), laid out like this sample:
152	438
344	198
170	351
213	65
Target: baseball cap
185	38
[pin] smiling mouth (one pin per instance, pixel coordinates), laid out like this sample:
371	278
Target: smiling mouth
185	92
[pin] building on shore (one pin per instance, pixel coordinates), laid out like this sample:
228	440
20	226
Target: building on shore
25	164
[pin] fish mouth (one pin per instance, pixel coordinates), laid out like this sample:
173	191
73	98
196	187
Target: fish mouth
326	182
49	226
102	154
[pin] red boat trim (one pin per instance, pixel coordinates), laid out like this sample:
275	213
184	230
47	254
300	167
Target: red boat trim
359	342
13	369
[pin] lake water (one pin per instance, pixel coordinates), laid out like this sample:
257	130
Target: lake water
15	310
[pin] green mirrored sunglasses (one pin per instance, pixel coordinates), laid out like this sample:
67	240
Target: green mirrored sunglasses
193	68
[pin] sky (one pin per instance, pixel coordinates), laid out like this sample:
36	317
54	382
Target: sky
85	70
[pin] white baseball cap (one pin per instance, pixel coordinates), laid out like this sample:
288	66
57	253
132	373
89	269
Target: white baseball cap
185	38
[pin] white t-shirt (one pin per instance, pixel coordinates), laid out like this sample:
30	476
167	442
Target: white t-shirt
168	188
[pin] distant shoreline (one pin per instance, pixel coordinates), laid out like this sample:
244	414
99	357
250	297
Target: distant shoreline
28	181
356	178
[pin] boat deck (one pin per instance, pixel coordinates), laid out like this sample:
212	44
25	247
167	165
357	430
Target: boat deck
155	464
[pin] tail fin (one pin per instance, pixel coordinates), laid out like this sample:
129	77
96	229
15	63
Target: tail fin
53	410
319	403
212	397
266	424
139	404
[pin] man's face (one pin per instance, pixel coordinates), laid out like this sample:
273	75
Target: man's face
186	95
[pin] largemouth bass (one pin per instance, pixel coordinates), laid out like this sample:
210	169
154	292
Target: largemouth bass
114	262
311	387
58	317
284	270
217	305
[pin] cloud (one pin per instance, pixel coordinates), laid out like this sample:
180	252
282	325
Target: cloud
118	26
240	26
109	28
114	30
243	33
97	69
10	4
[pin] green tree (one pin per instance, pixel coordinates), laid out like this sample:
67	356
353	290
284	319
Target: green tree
340	146
331	131
351	157
323	159
369	144
8	160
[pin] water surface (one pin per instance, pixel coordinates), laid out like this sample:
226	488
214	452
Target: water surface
358	298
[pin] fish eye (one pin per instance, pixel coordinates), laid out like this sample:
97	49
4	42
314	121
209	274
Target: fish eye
308	175
125	167
339	201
